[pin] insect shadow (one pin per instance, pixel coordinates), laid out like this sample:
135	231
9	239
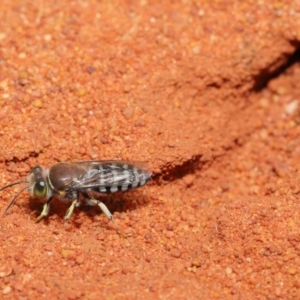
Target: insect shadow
117	202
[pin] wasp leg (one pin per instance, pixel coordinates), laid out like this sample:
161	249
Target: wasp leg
70	210
44	212
106	211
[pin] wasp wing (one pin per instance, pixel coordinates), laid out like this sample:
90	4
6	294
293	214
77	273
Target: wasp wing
111	176
134	163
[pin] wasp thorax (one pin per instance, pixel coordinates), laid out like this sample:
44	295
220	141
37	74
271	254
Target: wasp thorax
62	175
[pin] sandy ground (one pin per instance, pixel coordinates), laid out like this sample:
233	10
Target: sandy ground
207	94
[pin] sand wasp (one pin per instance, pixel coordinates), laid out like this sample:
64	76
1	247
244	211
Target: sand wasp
78	182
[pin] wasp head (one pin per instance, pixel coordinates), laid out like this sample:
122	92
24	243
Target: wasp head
38	183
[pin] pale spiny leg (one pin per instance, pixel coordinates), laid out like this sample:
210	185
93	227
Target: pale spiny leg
70	210
106	211
45	211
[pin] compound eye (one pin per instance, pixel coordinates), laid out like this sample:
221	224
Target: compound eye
40	189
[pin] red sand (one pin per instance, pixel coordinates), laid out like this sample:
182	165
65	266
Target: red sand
185	87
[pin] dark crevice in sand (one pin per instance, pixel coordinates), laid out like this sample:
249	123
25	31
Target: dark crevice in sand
14	159
284	62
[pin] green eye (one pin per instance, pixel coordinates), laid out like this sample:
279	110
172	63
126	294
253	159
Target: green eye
40	189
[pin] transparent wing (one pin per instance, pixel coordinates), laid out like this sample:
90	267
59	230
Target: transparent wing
112	175
136	163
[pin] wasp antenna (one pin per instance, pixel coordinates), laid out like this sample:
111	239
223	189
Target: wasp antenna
15	198
12	184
